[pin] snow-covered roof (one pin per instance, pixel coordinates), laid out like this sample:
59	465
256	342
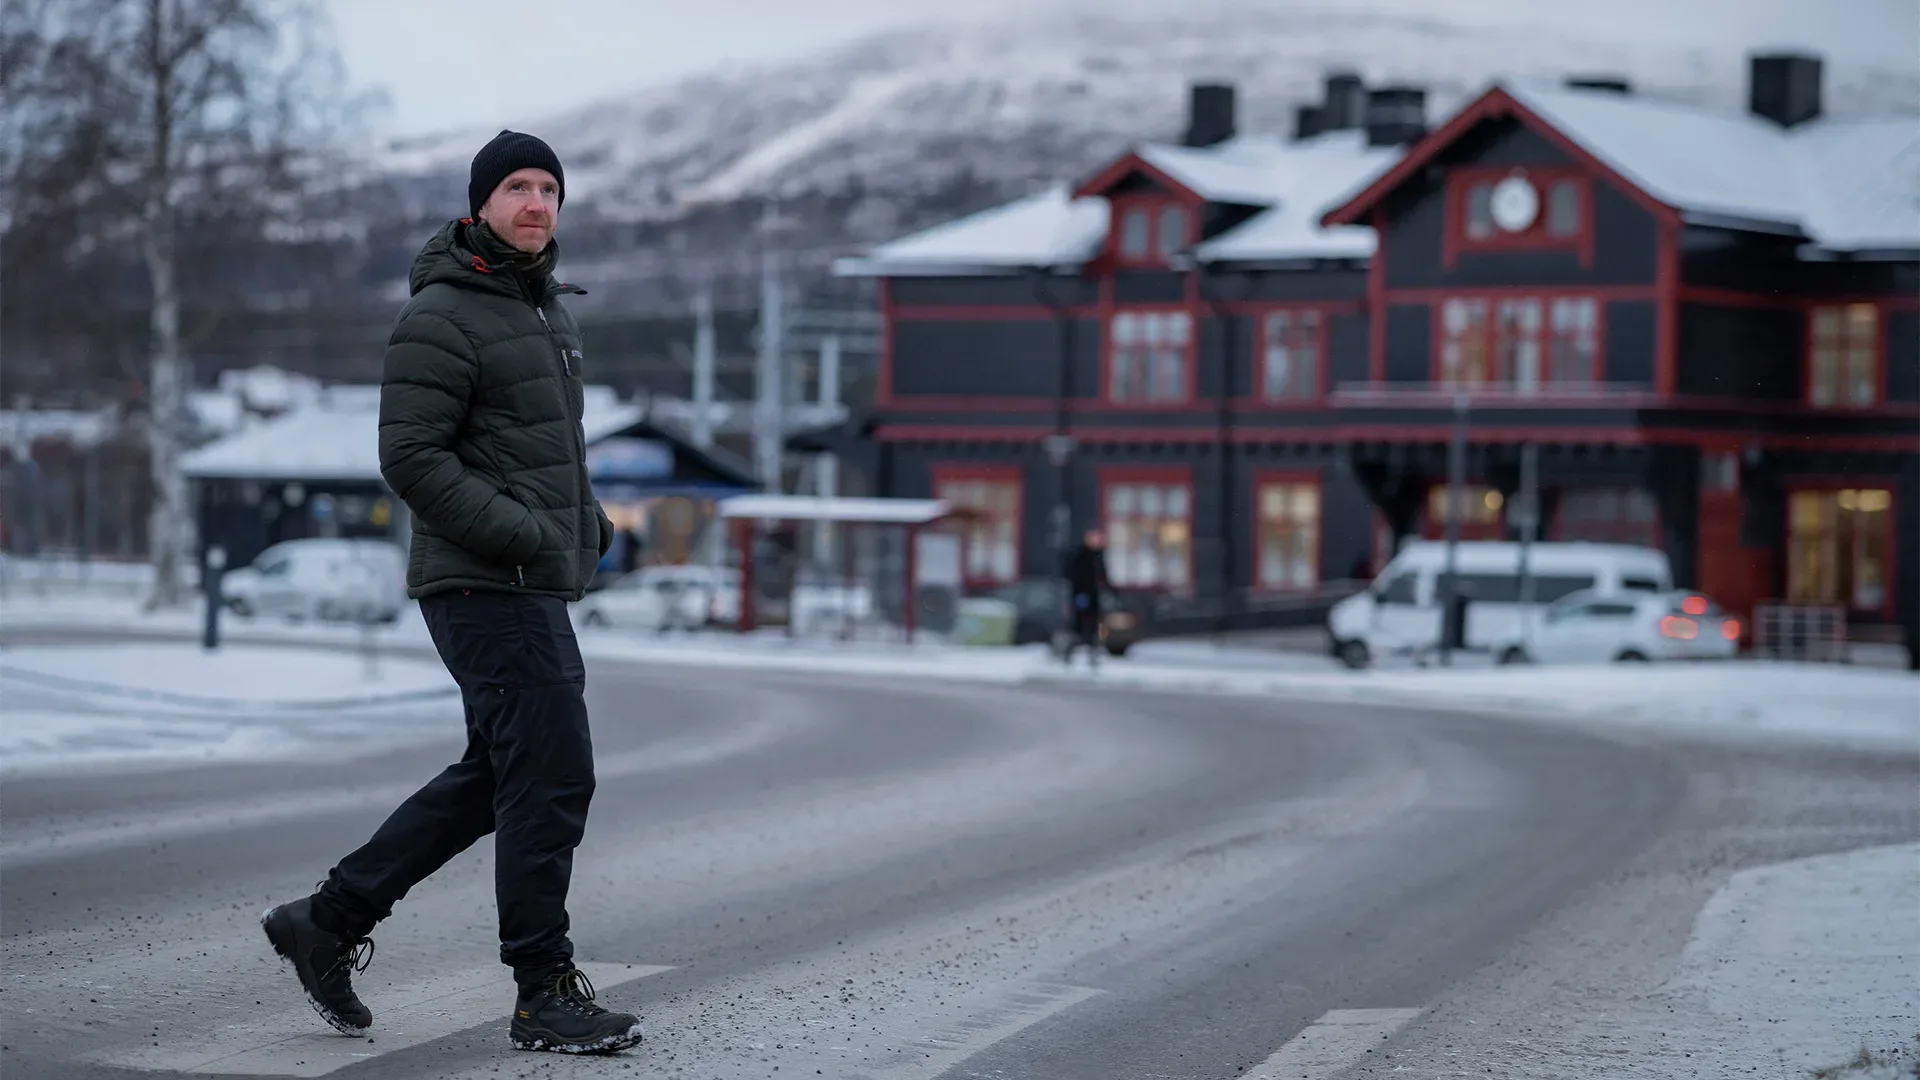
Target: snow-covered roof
83	429
338	438
1845	185
1295	180
1045	230
826	508
1309	177
1240	170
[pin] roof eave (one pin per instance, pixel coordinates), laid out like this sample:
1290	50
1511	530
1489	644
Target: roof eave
1713	219
879	268
1823	253
1494	103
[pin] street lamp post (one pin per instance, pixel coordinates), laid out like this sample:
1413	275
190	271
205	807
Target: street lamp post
1456	510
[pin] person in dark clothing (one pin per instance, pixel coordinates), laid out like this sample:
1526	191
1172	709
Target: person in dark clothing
1087	583
480	406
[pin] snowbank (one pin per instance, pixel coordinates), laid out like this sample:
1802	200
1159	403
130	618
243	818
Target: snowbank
1804	969
85	707
1866	708
235	676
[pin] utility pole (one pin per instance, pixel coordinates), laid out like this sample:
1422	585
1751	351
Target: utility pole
1527	516
1456	510
826	467
769	376
703	364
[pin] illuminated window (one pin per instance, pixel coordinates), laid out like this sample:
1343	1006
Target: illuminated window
1288	552
1840	547
991	495
1483	506
1149	526
1843	360
1519	343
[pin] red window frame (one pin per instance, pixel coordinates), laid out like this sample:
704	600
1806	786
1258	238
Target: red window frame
1189	362
1619	530
1545	335
1317	379
1109	477
1889	589
1878	350
1155	206
1536	237
1268	478
1010	475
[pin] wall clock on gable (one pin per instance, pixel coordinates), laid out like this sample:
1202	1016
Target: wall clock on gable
1516	203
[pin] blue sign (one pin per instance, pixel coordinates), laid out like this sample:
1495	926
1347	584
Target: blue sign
630	459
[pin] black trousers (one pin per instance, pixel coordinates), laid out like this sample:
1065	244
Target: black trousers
527	777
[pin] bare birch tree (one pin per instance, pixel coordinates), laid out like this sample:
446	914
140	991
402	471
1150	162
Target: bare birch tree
146	118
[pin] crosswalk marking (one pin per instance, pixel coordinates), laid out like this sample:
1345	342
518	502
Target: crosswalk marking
297	1043
1337	1040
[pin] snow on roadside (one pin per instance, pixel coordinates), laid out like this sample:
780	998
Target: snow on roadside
1794	970
1865	708
240	676
74	708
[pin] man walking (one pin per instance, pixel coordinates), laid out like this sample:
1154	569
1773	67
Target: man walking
480	403
1086	586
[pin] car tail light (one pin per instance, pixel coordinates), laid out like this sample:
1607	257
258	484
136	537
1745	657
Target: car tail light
1679	627
1730	629
1694	605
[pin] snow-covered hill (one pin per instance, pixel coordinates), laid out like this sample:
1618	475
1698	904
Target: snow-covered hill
898	115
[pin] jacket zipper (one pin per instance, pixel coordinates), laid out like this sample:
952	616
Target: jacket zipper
566	366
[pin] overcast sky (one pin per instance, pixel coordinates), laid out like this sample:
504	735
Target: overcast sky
434	60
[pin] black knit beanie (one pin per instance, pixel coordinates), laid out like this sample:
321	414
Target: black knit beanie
507	153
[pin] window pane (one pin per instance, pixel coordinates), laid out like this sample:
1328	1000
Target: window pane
1177	502
1126	329
1133	234
1178	326
1563	209
1480	211
1173	230
1120	500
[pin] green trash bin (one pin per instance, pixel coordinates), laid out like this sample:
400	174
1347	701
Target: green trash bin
985	621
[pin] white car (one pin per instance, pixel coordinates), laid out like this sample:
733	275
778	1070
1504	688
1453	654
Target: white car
1596	628
664	598
358	580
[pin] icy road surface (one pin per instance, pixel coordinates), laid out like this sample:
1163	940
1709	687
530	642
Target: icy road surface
872	877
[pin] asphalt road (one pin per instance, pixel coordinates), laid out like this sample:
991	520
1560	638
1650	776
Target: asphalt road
794	876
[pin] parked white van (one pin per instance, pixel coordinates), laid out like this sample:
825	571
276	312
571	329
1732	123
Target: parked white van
320	578
1400	614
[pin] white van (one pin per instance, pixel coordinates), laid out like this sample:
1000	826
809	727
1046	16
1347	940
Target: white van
1400	614
321	578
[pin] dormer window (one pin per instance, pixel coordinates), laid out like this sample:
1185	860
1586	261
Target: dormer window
1173	230
1136	234
1150	231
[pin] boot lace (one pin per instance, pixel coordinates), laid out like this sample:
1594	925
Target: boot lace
574	990
354	957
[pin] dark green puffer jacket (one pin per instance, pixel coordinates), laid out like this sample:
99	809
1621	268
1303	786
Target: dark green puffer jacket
480	434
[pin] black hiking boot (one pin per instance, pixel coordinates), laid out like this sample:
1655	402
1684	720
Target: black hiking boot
324	961
560	1015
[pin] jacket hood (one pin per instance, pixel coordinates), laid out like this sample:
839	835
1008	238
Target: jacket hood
451	257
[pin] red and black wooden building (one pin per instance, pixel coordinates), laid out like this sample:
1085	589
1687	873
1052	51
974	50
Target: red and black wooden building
1708	322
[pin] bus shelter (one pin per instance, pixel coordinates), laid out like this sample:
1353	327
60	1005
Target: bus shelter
864	562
